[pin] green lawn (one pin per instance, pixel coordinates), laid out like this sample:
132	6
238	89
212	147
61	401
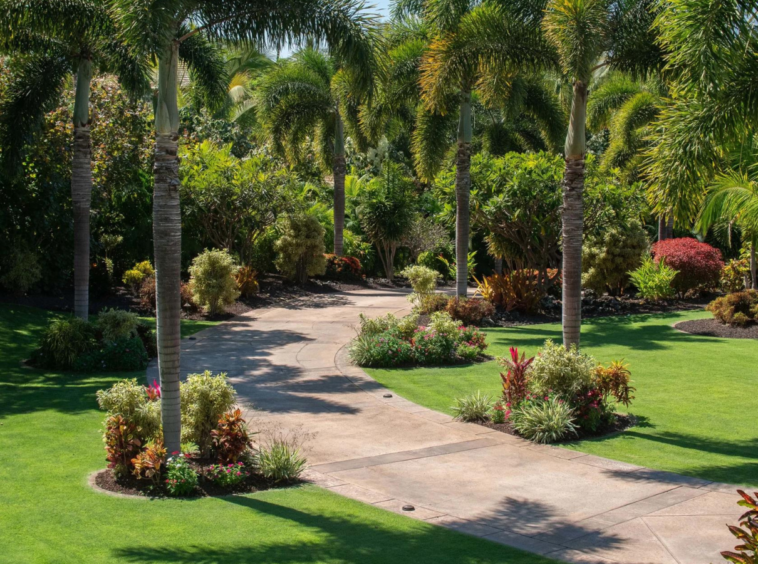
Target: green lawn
50	442
695	395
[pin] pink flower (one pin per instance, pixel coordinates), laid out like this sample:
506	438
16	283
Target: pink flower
175	453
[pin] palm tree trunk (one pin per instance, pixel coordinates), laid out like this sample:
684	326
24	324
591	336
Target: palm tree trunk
462	190
752	267
573	218
661	228
498	265
81	188
167	235
339	185
670	227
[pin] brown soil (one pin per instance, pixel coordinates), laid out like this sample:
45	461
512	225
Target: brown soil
129	485
713	328
621	423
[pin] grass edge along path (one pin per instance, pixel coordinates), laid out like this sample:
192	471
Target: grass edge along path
693	399
50	440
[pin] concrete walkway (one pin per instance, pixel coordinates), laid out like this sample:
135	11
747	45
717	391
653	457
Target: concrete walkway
290	363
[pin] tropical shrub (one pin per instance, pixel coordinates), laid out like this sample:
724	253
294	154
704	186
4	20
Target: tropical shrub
380	350
247	283
122	444
23	273
516	378
441	322
227	475
212	280
519	290
746	533
467	351
130	400
64	340
376	325
473	337
300	249
121	355
733	275
543	420
148	463
591	410
654	279
469	311
698	265
608	257
473	407
560	370
181	478
133	278
434	347
231	437
280	460
204	400
344	269
117	324
423	280
613	381
737	309
407	326
433	302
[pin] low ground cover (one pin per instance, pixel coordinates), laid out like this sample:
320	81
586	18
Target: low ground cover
51	428
690	391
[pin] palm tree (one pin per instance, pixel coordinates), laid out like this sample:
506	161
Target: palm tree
588	35
189	30
53	40
474	46
315	95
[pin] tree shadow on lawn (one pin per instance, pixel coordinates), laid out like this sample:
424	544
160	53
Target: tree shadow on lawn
349	540
621	331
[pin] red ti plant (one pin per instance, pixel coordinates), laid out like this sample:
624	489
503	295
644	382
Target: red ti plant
231	438
747	552
515	378
153	391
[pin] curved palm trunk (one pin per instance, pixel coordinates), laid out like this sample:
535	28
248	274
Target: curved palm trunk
339	185
81	188
462	190
573	218
167	235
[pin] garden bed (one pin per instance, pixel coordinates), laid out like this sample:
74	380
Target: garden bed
129	485
712	328
621	423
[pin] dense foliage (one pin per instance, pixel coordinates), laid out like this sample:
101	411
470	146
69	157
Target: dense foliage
738	309
698	265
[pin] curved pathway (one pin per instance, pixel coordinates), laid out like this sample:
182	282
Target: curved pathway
290	368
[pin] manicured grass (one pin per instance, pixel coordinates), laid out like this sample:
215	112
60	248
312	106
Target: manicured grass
50	442
695	395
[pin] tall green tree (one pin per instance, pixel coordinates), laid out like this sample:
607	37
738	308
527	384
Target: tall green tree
317	95
190	30
590	34
53	41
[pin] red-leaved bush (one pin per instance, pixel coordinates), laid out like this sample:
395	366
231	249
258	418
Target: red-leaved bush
698	264
344	269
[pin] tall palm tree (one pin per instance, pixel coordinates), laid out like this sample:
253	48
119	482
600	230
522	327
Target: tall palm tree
589	34
315	95
474	45
53	41
189	29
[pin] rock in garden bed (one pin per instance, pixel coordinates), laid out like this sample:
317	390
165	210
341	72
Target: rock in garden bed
712	328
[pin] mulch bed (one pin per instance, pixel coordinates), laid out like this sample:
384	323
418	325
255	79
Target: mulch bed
621	423
129	485
712	328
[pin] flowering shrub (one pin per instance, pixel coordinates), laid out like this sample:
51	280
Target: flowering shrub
543	419
181	478
737	309
698	264
380	350
227	475
515	381
432	347
499	413
467	352
344	269
469	312
591	410
148	463
231	437
122	444
472	337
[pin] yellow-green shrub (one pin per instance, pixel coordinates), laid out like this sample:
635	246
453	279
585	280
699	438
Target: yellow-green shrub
212	280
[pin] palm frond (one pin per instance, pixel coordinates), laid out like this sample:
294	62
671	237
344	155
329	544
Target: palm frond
607	98
432	139
578	29
732	197
207	69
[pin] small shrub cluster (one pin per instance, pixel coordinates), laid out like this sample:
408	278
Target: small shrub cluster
120	355
433	302
212	280
343	269
733	275
387	341
300	249
654	279
204	400
247	281
469	311
608	258
181	478
134	277
698	265
738	309
519	290
227	475
424	283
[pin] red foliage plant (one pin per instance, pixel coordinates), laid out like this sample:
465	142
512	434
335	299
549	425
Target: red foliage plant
747	534
231	437
122	444
698	264
153	391
515	380
342	268
148	463
519	290
469	311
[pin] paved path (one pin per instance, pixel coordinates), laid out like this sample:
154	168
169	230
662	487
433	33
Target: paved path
290	364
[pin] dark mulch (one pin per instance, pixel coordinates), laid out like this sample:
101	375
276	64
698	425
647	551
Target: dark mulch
129	485
713	328
621	423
